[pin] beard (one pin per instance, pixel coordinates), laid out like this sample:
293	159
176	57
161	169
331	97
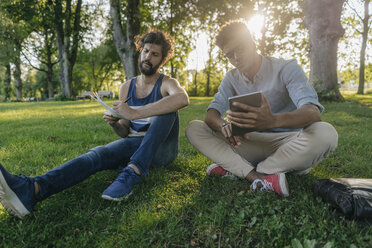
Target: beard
148	72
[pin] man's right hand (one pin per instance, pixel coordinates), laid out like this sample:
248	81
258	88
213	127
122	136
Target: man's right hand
226	130
111	120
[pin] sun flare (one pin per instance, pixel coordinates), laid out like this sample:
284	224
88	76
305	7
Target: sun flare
255	24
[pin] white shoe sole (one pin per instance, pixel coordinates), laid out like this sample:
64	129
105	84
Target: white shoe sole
211	167
10	200
106	197
283	185
214	165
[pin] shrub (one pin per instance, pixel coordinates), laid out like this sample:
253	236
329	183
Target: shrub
61	97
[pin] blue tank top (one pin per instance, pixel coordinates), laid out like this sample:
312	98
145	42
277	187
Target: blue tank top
140	126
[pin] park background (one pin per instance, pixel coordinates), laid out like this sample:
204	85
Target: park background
178	205
92	41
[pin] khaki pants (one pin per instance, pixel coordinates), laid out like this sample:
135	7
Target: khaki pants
268	153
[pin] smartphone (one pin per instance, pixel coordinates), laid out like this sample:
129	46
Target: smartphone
251	99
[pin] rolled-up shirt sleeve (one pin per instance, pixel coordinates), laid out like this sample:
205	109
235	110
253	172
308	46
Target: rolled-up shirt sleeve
298	86
221	98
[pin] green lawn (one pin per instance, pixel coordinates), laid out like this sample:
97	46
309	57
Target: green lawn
178	205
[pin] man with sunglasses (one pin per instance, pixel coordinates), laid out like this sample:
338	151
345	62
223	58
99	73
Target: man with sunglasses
291	137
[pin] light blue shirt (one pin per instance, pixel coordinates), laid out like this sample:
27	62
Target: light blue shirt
283	83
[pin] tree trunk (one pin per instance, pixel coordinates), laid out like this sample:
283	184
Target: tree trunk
363	49
75	40
195	83
65	34
7	81
173	73
50	82
263	39
49	64
124	43
65	73
322	18
62	54
171	32
208	83
209	69
17	76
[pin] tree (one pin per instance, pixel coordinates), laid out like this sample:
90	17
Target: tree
277	15
98	66
350	75
322	18
6	52
42	42
125	38
366	24
67	23
7	81
15	15
210	16
177	19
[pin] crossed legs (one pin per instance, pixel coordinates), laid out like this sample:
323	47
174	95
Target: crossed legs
265	153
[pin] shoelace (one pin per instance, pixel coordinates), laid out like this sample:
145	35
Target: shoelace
229	175
266	186
123	176
127	176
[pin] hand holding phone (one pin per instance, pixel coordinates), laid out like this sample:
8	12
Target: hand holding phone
251	99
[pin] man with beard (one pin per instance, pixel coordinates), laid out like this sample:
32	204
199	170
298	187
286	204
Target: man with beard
149	132
290	136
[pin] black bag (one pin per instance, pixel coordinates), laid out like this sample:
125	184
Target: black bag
351	197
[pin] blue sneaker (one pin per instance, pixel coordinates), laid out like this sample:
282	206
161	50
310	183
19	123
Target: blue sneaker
17	194
122	187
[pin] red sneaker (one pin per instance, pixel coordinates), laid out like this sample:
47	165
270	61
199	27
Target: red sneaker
274	182
216	170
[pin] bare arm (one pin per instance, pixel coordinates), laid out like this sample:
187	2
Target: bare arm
214	120
175	98
262	118
299	118
120	126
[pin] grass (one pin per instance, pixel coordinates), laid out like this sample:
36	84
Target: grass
178	205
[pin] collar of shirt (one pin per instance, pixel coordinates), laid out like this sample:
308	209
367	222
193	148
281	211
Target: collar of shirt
259	75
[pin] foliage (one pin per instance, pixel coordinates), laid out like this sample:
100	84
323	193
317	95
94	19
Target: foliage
278	16
201	78
97	68
178	205
175	17
41	46
2	73
283	34
361	26
17	15
62	97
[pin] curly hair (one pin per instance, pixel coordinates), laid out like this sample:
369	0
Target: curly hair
229	30
157	37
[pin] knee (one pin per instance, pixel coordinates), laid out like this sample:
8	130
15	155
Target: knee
195	129
324	136
166	117
165	154
164	122
97	153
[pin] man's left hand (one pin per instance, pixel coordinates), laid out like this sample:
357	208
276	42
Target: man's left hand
260	118
123	109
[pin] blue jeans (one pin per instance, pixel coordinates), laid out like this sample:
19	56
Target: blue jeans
158	147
